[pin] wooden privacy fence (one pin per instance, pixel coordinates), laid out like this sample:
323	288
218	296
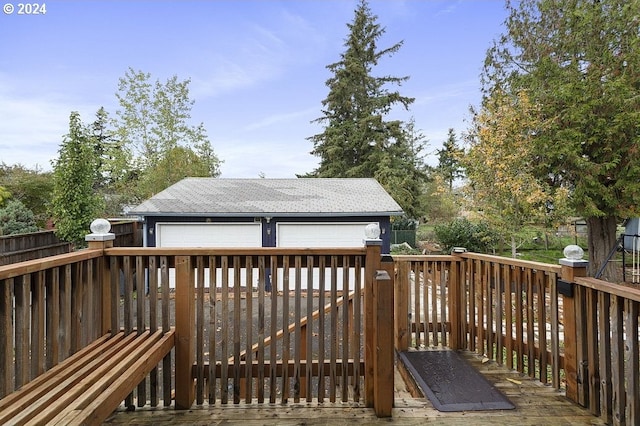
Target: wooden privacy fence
312	337
34	245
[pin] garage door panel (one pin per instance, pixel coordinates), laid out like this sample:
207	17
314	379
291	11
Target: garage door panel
209	235
320	234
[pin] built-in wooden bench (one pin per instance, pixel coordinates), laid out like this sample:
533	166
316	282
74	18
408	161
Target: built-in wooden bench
87	387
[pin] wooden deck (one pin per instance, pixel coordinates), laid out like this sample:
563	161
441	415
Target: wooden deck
536	404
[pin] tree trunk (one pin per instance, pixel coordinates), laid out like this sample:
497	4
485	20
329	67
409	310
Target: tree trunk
514	250
602	238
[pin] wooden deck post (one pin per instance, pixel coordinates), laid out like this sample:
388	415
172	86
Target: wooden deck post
383	360
185	330
456	308
372	264
102	241
401	307
570	270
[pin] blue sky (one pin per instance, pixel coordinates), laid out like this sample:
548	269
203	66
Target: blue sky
257	69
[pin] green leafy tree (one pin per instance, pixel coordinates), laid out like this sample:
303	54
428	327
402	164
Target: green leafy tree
500	167
4	195
175	165
75	204
33	188
441	204
578	62
358	140
16	218
153	126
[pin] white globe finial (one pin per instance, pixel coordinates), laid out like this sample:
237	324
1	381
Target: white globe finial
372	231
100	226
573	252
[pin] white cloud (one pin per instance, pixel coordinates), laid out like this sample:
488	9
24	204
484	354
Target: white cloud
32	126
282	118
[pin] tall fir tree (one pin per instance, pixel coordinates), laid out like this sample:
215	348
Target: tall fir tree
357	139
449	160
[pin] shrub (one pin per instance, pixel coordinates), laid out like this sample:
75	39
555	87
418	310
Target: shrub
16	218
477	237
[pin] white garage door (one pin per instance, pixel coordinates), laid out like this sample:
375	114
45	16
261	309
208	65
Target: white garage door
208	235
348	234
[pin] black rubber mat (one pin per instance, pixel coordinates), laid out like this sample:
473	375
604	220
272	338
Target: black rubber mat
451	383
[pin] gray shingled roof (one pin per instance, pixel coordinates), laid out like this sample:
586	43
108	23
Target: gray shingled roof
259	197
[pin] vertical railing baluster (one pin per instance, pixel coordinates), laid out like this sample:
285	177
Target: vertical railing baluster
236	328
200	330
213	328
321	328
297	352
286	348
273	358
333	373
224	337
262	282
249	330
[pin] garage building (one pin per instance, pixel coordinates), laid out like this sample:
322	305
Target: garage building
303	212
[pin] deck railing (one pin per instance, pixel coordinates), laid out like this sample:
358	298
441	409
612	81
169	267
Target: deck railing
280	325
579	335
506	309
607	349
258	325
51	308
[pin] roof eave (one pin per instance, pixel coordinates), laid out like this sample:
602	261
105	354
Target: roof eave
268	214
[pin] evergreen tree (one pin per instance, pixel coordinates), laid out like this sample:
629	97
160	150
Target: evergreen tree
577	61
75	204
449	160
358	140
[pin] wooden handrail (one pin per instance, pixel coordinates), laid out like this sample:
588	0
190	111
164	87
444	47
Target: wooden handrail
624	291
528	264
226	251
37	265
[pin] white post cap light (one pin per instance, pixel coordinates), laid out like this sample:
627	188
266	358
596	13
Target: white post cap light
573	256
573	252
372	234
372	231
100	231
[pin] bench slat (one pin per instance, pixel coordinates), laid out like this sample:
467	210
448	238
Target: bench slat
66	394
89	385
99	409
28	401
35	385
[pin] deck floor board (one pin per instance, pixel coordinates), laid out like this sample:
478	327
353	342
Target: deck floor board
536	404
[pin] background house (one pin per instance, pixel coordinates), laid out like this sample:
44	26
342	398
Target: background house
305	212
